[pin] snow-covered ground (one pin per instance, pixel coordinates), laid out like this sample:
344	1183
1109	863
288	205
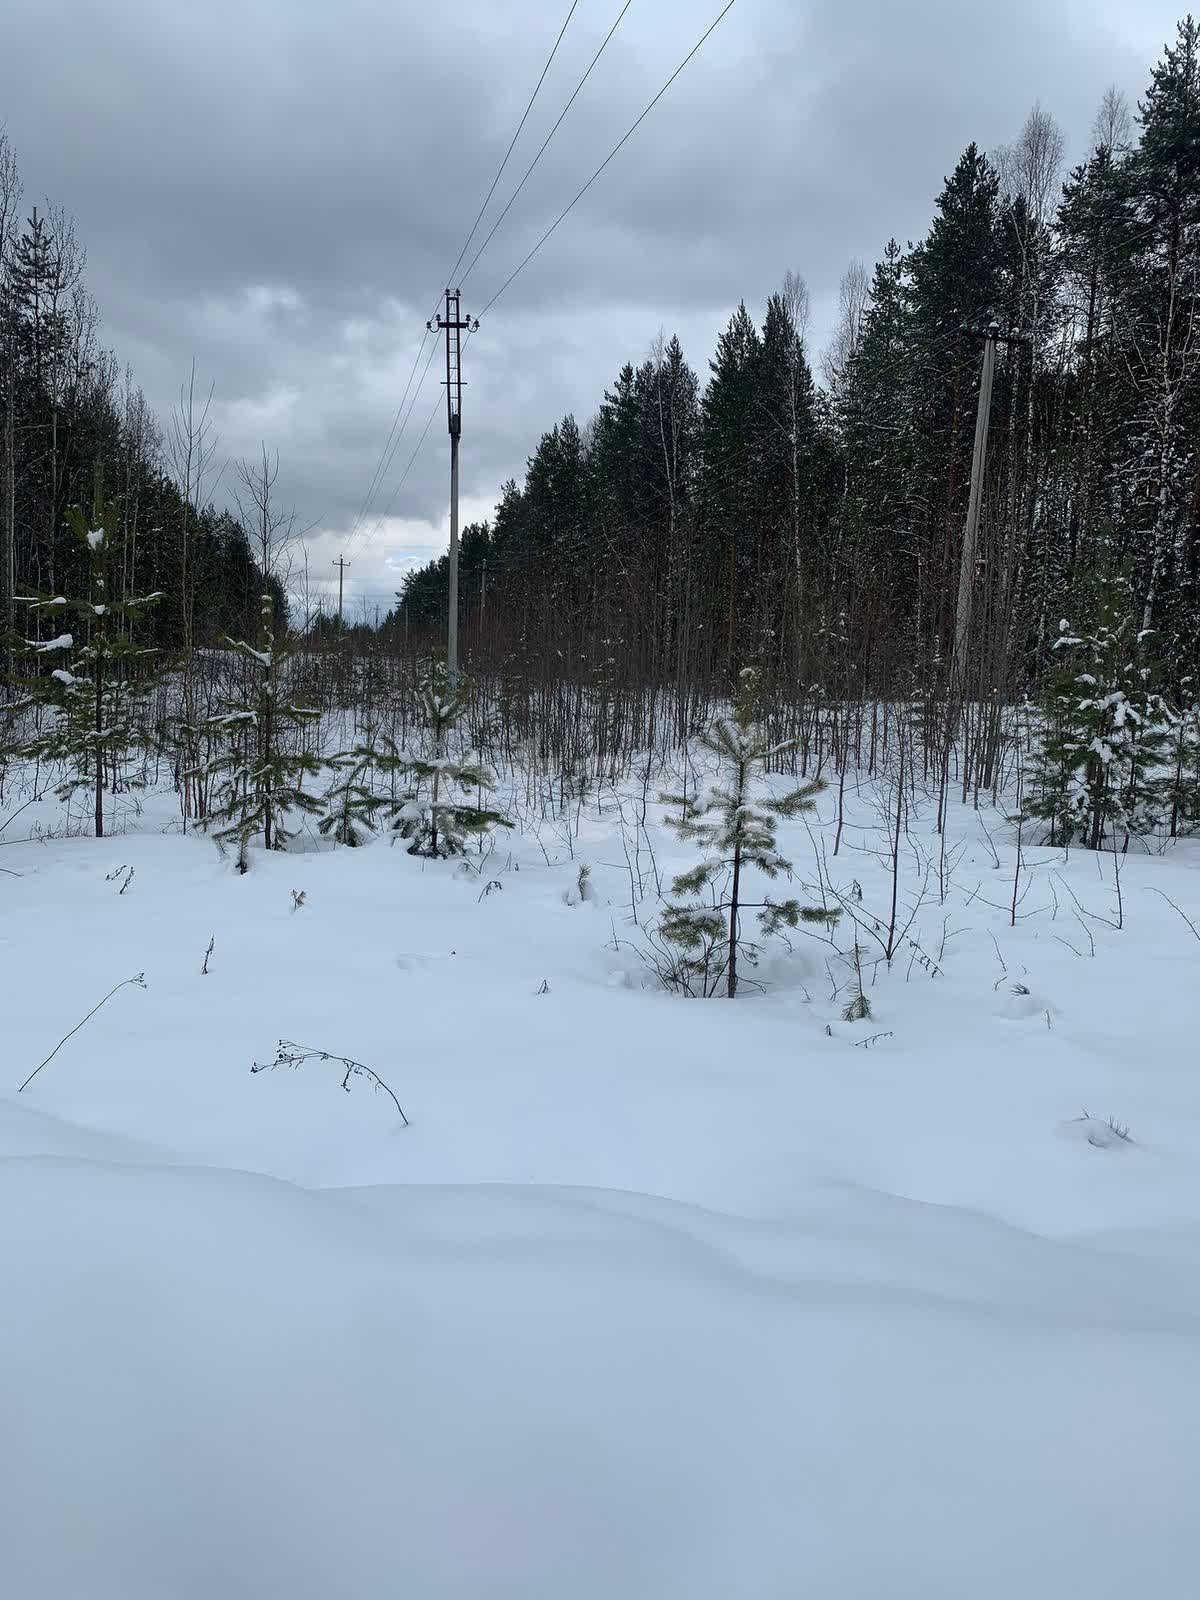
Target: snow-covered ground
654	1297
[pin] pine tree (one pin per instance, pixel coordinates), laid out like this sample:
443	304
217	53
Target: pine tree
435	813
1103	733
735	835
258	776
94	690
352	806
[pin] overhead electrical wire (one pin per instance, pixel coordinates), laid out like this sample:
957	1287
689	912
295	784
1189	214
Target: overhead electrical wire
529	170
512	145
385	459
623	140
417	449
390	454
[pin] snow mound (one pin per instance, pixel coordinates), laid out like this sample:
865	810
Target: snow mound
243	1388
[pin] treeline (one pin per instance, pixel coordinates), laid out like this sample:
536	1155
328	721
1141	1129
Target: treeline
67	407
816	530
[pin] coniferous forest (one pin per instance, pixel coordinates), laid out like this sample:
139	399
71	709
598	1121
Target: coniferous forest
68	408
807	516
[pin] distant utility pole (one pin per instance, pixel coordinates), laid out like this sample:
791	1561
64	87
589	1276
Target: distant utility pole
964	610
341	564
452	324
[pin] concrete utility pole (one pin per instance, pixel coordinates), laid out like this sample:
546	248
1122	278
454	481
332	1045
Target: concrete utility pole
452	324
341	564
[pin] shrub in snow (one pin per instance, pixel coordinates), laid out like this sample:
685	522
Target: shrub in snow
703	920
257	773
1103	732
1102	1133
93	675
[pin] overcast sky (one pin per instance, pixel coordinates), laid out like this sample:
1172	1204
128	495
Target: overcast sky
278	188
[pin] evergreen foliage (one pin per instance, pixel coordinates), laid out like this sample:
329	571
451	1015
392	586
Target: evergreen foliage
258	772
1097	766
1181	786
689	524
436	814
68	405
704	919
95	673
352	806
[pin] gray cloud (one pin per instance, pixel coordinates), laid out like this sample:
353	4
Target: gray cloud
275	188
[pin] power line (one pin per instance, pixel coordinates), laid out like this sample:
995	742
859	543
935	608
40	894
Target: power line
632	129
545	142
395	445
512	145
381	465
384	463
383	515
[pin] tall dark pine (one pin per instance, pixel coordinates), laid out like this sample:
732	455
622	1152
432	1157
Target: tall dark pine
955	289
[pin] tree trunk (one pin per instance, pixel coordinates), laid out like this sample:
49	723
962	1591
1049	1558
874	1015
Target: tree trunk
99	753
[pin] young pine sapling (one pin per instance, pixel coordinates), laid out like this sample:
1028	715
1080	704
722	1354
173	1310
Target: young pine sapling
735	836
98	672
438	815
260	773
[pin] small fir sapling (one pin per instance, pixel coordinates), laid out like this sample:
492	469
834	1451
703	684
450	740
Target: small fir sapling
98	674
258	775
734	835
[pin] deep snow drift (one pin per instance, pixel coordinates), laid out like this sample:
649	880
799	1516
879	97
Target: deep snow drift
655	1297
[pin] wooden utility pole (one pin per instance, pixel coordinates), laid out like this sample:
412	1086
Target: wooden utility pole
964	610
966	569
341	564
452	324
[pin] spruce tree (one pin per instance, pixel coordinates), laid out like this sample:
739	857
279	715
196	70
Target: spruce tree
259	774
735	835
1103	732
99	677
